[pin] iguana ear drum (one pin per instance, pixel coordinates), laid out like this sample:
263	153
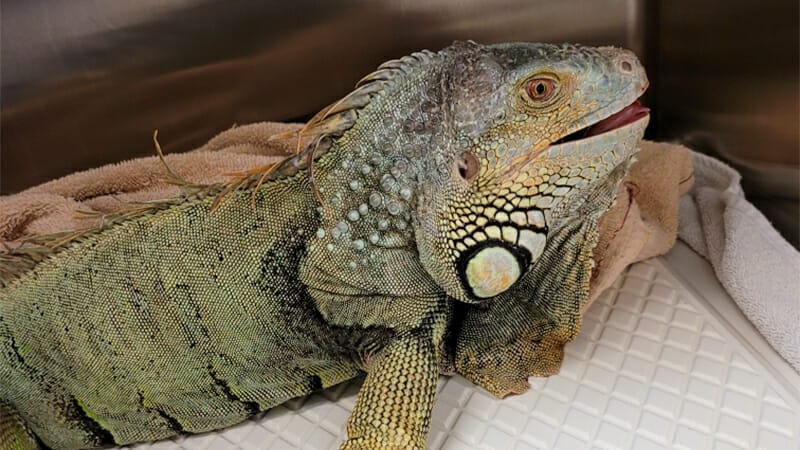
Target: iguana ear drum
492	267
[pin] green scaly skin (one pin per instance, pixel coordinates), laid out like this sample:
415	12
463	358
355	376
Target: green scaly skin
439	227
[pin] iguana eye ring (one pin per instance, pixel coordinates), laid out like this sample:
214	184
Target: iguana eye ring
540	89
468	166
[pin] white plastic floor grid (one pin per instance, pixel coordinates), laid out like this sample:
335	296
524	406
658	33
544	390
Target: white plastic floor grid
651	369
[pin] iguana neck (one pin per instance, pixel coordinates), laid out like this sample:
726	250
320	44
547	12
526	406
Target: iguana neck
368	181
368	187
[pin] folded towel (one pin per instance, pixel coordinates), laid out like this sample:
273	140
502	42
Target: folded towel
54	206
643	221
756	265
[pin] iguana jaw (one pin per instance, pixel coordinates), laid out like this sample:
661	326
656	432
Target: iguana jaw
493	258
626	116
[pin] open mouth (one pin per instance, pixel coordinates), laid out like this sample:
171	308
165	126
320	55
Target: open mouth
627	115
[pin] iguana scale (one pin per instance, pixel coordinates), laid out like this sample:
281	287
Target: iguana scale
442	217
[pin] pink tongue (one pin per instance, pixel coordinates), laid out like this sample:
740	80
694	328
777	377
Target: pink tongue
631	113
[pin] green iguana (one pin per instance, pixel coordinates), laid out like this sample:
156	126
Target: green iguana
441	218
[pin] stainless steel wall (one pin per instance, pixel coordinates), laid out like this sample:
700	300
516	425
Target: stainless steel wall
728	85
84	82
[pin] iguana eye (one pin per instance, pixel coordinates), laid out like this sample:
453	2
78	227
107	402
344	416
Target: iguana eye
468	166
540	89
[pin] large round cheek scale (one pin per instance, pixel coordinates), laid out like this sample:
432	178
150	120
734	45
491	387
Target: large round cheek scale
492	271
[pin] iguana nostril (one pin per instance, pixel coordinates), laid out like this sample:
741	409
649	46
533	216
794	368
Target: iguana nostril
626	66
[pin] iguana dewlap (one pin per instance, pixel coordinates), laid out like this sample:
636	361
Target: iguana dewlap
443	213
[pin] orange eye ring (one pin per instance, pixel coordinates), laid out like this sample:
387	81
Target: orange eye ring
540	89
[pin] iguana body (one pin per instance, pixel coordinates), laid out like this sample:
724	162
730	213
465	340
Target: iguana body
434	185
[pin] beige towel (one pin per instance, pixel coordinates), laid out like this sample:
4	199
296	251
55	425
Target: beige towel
642	223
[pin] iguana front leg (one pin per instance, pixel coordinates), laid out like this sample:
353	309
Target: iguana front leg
393	410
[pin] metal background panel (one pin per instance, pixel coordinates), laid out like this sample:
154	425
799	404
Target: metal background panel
728	86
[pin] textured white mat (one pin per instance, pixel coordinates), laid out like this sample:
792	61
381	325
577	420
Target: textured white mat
653	368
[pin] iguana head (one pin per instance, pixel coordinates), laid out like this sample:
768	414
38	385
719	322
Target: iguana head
530	130
451	170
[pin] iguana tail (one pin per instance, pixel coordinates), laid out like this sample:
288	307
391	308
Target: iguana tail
14	435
